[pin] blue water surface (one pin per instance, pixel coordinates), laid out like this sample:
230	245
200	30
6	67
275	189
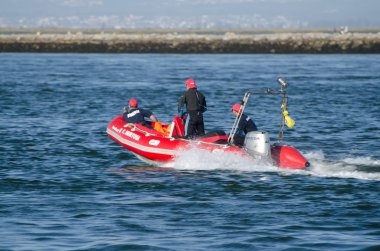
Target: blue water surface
64	185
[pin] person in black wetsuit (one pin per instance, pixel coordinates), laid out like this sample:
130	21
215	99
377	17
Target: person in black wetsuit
195	103
245	126
137	115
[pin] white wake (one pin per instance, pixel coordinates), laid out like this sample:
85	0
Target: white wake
365	168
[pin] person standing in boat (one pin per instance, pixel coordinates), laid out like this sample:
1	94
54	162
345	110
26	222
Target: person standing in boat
137	115
196	105
245	125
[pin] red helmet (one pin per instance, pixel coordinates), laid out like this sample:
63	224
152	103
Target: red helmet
133	102
236	107
190	83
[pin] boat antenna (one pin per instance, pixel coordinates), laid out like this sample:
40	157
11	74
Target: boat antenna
285	118
283	85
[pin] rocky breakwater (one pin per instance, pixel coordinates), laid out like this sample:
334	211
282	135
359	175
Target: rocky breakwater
229	42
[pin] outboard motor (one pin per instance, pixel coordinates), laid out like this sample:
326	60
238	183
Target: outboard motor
257	144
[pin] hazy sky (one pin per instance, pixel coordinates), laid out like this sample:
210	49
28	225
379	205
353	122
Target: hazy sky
205	13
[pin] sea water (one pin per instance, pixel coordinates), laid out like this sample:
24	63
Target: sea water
64	185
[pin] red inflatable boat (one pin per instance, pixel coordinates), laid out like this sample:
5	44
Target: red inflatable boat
166	142
161	146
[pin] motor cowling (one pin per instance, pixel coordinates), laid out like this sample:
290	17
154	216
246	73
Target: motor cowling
257	144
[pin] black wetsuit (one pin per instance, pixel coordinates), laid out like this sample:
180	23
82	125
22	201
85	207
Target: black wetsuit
195	104
245	126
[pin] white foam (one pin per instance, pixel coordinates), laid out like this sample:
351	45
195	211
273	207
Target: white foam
197	159
315	155
368	161
348	167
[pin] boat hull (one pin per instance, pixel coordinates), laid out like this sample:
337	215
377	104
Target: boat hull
157	148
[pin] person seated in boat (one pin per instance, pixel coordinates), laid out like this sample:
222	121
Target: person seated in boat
196	105
137	115
245	125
